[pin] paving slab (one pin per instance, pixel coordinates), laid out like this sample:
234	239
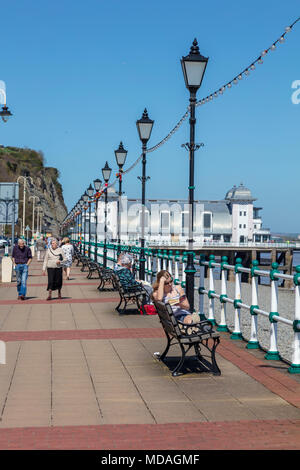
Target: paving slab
98	370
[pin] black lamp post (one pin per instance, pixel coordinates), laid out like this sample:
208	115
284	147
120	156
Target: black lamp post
97	186
121	155
106	171
144	126
77	220
85	199
90	192
81	204
193	66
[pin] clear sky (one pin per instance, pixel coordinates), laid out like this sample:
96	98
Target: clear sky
78	75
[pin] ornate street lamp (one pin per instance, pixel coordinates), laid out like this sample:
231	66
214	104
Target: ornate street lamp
78	212
26	180
121	155
106	171
193	66
5	114
84	198
144	126
34	199
97	186
90	192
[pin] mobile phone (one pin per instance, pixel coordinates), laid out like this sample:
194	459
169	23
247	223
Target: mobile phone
182	297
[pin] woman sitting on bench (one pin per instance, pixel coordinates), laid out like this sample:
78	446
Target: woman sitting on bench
165	291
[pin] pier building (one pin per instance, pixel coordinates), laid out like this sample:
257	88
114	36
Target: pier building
234	219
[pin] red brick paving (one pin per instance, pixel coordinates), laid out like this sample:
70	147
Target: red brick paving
256	434
246	435
116	333
68	283
67	300
277	382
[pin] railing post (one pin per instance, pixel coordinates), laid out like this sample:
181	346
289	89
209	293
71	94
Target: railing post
159	268
295	366
165	260
201	287
253	342
273	353
176	268
170	262
183	277
151	261
101	254
211	300
223	325
154	263
236	334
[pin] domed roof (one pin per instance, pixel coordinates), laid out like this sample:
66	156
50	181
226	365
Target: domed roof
230	192
240	193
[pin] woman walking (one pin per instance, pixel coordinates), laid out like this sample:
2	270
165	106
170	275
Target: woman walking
68	250
40	248
53	262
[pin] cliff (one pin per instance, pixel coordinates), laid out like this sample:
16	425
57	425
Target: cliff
16	162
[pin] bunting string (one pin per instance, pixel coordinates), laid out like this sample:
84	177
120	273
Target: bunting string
219	92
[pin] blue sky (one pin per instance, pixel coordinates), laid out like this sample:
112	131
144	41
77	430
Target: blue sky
79	74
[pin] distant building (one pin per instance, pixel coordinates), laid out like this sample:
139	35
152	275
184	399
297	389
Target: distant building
232	219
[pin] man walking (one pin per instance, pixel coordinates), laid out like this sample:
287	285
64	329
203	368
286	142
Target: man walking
22	258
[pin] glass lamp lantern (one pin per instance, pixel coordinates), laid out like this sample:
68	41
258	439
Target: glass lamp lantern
90	191
144	127
85	197
193	67
121	155
5	114
97	184
106	171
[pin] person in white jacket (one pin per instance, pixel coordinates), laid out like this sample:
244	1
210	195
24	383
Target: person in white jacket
53	262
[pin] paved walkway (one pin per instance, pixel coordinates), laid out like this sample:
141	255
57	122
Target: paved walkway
80	376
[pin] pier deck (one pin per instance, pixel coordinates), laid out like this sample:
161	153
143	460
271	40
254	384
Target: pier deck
80	376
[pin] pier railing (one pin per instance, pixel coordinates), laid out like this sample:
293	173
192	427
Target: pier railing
175	264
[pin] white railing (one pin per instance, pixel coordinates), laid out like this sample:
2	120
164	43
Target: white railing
253	309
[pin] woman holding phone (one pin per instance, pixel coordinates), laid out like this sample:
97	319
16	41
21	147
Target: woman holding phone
53	261
165	291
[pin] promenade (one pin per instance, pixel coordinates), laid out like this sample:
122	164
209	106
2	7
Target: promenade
80	376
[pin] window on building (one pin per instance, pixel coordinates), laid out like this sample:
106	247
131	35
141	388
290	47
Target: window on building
254	226
245	213
165	221
185	222
146	219
240	226
244	225
207	221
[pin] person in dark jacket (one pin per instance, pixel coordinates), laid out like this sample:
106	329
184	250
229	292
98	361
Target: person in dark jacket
21	257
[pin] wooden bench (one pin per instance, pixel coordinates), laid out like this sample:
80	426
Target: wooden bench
135	294
186	336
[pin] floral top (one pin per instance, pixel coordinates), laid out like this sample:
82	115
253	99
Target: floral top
68	251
